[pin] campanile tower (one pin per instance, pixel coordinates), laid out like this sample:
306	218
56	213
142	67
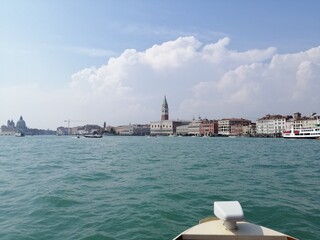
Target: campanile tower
165	110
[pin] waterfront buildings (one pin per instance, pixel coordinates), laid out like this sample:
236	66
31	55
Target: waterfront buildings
62	131
182	130
201	127
133	130
272	125
194	127
21	127
165	126
267	126
232	126
209	128
298	121
11	128
249	130
80	130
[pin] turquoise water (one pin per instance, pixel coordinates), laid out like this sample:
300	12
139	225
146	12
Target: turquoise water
153	188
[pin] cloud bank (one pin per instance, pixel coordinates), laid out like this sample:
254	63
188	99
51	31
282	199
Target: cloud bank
209	80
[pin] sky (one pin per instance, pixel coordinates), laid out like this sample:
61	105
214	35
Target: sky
113	61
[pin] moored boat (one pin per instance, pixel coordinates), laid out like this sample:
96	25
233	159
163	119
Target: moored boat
230	225
302	133
312	132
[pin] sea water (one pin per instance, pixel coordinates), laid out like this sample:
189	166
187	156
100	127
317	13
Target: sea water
153	188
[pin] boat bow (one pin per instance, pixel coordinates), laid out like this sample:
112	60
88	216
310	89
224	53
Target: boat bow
218	229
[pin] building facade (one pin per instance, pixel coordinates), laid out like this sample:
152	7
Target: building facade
272	125
194	127
249	130
225	125
165	127
133	130
298	121
182	130
209	128
11	128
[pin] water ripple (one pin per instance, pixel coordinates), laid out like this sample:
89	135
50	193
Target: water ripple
136	187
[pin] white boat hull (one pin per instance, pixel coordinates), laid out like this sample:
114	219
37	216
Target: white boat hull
93	136
306	133
215	230
19	134
229	224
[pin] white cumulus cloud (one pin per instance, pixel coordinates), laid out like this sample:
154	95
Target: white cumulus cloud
211	80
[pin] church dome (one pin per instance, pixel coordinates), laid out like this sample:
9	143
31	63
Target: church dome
21	124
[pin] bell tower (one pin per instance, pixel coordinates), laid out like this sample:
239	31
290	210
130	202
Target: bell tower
165	110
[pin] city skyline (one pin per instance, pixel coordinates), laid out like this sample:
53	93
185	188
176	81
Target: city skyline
74	123
113	61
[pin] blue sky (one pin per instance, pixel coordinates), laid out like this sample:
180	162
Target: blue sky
62	55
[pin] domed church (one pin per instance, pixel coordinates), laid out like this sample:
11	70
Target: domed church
21	124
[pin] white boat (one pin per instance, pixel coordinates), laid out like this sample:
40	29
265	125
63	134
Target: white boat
19	134
93	136
301	133
230	225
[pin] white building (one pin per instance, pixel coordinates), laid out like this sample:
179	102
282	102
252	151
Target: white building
271	124
298	122
133	130
194	127
182	130
165	127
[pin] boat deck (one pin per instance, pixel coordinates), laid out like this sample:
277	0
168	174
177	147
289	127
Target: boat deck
215	230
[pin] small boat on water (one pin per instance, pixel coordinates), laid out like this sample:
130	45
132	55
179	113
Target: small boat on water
93	136
19	134
230	225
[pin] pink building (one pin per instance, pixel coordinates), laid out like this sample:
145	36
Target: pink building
208	127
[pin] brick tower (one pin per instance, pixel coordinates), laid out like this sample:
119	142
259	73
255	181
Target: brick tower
165	110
